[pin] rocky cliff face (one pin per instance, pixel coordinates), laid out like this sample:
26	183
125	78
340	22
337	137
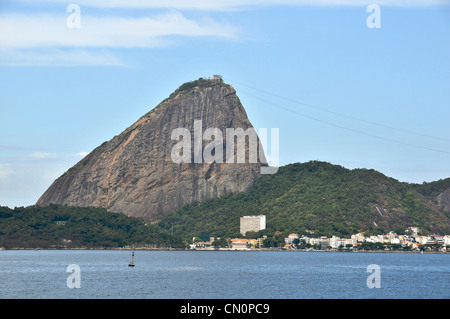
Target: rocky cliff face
135	173
443	200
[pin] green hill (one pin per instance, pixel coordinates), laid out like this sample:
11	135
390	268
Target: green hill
58	226
433	189
326	198
318	196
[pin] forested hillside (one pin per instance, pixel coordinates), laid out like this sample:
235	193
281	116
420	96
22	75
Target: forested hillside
58	226
318	196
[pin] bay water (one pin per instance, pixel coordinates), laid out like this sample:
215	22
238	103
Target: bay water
105	274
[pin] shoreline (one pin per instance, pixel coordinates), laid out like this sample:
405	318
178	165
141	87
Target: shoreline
234	250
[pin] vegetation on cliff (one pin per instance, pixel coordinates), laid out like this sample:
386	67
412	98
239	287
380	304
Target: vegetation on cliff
200	83
325	198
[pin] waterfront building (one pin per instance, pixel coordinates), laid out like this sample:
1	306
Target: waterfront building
239	243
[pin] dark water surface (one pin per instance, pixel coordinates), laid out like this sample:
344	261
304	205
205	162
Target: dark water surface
105	274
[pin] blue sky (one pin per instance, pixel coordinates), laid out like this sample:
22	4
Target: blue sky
337	90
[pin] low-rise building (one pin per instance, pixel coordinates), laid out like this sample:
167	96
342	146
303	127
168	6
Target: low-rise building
414	230
447	240
239	243
373	239
425	240
252	243
290	238
260	241
359	237
323	242
336	242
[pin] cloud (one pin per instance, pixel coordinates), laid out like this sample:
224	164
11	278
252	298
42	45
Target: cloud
83	154
221	5
42	155
58	57
47	39
25	181
45	30
43	39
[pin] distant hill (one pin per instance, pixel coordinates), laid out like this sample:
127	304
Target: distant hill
438	192
328	199
58	226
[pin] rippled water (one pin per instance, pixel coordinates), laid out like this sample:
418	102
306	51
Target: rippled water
105	274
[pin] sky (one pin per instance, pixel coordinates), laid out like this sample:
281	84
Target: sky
343	81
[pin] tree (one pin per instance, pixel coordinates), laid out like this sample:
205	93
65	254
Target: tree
252	234
39	227
270	242
220	243
296	243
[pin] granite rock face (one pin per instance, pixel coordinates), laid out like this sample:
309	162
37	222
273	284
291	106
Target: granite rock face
134	173
443	200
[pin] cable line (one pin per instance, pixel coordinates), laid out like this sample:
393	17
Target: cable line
340	114
346	128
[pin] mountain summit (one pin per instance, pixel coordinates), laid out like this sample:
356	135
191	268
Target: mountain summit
176	154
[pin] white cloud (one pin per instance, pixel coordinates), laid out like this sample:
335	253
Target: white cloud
57	57
83	154
42	155
46	39
21	31
26	181
221	5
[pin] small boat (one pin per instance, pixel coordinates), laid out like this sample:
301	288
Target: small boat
131	264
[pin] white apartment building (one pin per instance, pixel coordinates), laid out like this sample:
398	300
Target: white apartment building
447	240
324	242
336	242
375	239
359	237
252	223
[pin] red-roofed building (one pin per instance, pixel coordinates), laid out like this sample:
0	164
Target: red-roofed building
239	243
